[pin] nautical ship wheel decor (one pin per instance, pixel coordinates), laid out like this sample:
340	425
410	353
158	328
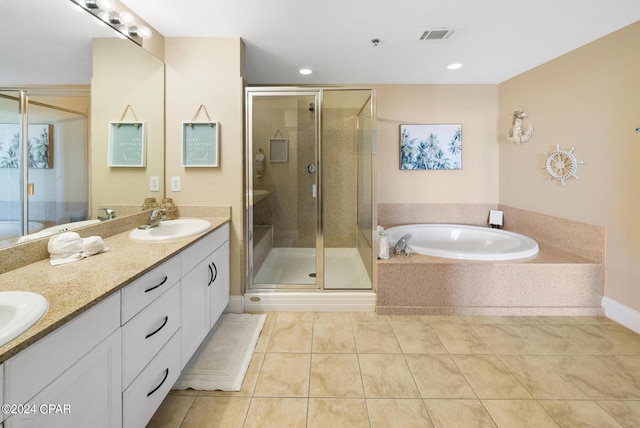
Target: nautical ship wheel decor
562	165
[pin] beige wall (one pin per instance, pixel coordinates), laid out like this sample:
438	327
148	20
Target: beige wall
124	74
208	71
475	107
588	99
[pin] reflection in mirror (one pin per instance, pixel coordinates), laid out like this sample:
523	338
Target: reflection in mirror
50	70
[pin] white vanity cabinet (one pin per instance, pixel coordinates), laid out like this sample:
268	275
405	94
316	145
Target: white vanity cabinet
204	288
72	377
150	341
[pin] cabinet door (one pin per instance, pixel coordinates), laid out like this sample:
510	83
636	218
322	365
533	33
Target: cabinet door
219	287
194	298
89	394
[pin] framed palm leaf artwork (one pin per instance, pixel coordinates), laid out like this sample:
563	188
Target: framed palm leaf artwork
40	145
425	147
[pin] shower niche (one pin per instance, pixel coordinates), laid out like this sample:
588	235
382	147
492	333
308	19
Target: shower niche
309	205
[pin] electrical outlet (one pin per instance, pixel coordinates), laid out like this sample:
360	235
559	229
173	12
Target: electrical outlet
176	186
154	184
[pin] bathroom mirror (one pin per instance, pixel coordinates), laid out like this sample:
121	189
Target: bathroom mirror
50	44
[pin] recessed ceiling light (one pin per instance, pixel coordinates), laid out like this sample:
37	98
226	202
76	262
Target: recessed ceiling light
454	66
305	71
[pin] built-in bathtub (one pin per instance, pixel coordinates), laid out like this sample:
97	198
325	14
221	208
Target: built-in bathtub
9	228
464	242
441	281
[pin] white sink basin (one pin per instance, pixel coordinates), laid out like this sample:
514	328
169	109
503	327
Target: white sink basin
171	229
19	310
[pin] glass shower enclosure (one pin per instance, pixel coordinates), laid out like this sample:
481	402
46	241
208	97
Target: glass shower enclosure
309	204
43	160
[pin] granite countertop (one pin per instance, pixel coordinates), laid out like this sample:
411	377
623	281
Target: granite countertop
73	288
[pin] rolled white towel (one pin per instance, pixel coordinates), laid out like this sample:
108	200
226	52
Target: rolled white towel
93	245
64	245
68	247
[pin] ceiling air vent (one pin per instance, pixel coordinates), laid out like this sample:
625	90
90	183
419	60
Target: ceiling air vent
436	34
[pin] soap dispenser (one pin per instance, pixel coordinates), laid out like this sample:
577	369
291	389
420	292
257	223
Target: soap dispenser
259	164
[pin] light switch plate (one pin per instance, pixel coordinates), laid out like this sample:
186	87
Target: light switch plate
154	184
176	186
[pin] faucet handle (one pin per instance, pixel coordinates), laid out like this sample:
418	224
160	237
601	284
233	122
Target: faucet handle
109	214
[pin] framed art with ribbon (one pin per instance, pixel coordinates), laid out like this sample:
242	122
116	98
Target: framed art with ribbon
200	141
127	146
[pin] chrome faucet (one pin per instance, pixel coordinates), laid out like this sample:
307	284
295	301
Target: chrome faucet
401	245
109	214
155	217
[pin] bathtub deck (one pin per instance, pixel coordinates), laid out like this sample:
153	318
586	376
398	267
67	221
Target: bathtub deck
554	282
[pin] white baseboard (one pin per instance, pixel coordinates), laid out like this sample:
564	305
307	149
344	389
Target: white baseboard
621	314
235	306
287	301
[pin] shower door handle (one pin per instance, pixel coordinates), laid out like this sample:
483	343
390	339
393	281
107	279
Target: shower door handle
314	190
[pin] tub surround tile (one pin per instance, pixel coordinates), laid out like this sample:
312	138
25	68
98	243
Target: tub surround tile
395	214
75	287
578	238
571	253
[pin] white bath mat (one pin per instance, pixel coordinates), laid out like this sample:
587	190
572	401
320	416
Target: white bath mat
222	360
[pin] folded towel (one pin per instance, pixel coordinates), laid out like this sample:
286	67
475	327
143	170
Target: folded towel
68	247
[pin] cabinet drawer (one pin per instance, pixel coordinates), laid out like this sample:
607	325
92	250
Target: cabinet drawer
201	249
34	368
147	288
146	333
144	396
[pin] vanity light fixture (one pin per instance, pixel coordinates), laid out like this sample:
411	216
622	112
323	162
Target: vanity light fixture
305	71
124	22
454	66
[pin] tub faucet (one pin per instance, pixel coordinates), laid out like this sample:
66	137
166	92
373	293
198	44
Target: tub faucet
401	245
155	217
109	214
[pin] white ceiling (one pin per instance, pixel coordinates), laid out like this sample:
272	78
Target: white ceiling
494	39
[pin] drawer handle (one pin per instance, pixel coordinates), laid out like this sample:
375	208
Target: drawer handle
166	319
156	286
214	273
166	374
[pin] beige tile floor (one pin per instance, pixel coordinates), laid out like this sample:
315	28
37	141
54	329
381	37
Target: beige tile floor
366	370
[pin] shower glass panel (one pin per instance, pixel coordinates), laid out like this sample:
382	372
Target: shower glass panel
43	161
346	188
58	167
310	188
283	197
10	172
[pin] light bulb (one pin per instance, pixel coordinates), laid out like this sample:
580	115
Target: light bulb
106	5
305	71
127	19
144	32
